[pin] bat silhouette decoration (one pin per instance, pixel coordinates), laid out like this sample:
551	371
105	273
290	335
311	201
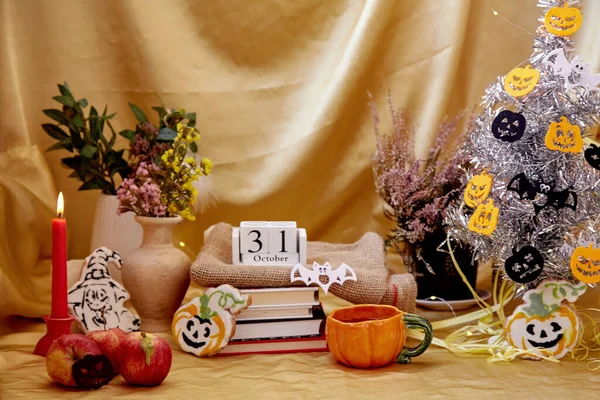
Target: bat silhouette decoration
309	276
561	199
574	73
523	186
527	189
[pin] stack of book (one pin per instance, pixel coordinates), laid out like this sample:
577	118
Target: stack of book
280	320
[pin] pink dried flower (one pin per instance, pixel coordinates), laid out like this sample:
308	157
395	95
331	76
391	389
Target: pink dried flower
144	147
141	194
416	192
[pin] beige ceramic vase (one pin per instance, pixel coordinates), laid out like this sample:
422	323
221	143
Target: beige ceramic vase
157	274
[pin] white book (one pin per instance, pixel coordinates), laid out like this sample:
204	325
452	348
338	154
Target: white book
275	312
290	296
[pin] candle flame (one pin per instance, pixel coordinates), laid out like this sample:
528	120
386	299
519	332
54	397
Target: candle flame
60	205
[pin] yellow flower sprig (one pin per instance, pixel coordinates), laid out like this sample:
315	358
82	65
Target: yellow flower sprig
181	171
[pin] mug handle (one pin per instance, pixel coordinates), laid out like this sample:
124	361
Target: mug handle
415	322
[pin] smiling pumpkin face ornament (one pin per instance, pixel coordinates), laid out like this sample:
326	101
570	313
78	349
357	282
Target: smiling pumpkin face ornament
585	264
485	218
555	333
205	325
563	21
509	126
478	189
543	324
521	81
563	136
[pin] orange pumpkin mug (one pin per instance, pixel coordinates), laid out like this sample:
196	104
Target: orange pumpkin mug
370	336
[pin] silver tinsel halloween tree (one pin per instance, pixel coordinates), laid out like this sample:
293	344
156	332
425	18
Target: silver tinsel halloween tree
532	202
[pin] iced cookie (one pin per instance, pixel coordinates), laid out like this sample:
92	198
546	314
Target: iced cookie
204	325
96	300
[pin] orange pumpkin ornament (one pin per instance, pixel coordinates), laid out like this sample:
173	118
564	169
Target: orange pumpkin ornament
204	325
520	81
543	324
563	136
563	21
478	189
585	264
485	218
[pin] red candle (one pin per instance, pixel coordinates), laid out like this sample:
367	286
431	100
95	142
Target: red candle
59	262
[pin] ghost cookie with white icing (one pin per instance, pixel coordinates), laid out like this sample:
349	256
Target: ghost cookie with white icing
96	300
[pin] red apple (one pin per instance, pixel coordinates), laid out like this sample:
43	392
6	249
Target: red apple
109	341
64	352
145	359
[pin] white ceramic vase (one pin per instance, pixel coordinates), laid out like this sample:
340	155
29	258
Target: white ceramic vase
117	232
157	274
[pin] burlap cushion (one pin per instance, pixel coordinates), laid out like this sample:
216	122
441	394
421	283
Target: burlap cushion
374	285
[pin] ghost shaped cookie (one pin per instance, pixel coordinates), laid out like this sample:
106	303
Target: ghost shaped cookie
96	300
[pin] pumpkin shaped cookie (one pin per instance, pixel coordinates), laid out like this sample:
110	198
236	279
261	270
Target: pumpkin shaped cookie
543	322
204	325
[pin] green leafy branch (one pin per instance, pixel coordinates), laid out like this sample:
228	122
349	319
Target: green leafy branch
96	162
168	120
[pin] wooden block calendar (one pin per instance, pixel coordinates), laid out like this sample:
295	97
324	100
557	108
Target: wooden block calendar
268	243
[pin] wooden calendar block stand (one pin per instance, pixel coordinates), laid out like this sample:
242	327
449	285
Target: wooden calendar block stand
268	243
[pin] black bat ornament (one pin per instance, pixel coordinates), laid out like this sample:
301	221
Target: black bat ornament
524	188
527	189
561	199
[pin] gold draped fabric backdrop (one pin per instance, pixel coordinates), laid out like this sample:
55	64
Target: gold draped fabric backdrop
279	88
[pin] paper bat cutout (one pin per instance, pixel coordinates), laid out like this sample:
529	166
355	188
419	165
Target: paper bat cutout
574	73
309	276
564	198
530	189
520	184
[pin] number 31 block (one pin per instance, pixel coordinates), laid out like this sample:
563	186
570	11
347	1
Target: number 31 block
268	243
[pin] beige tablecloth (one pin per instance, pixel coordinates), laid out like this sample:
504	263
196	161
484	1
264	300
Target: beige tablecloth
436	374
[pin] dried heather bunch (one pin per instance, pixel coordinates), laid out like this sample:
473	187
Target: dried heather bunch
416	191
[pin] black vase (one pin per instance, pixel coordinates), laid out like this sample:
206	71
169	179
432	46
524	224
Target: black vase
446	283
